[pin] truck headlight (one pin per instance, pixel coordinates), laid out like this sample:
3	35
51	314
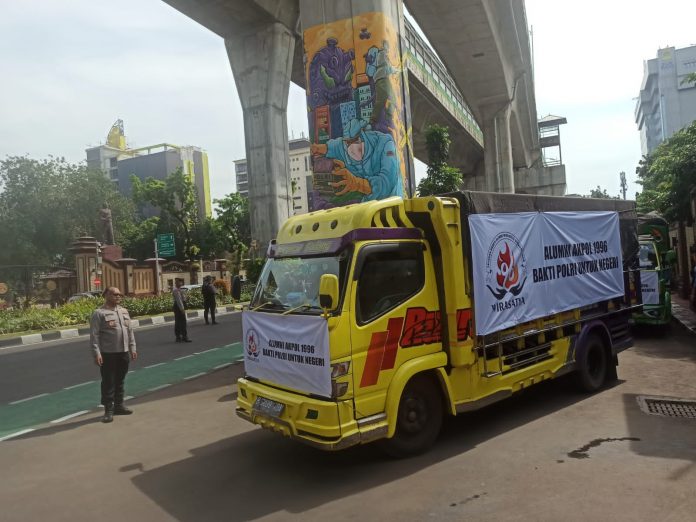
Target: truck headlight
338	388
340	369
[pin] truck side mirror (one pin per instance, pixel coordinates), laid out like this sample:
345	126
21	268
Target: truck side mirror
328	292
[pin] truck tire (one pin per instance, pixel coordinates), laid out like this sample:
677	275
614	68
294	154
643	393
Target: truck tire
592	365
419	418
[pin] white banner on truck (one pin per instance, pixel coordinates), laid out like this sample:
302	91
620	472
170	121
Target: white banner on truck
533	264
650	287
289	350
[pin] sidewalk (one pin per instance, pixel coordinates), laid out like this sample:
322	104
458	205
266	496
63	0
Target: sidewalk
70	333
683	313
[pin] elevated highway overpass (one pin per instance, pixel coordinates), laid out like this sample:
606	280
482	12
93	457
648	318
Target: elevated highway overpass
480	85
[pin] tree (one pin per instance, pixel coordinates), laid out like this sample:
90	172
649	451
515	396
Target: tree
175	197
212	238
689	78
668	175
46	204
137	238
441	177
599	193
233	217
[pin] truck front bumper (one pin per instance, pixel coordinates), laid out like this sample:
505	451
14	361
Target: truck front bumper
324	424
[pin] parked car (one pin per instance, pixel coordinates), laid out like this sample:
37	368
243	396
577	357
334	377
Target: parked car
83	295
185	289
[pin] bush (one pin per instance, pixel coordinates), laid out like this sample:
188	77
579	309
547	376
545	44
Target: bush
222	286
72	314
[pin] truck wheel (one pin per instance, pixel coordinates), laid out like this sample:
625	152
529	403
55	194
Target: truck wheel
593	365
419	418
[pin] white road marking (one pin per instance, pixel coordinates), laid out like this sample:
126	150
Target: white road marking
77	385
159	387
194	376
29	398
156	364
76	414
184	357
206	351
17	434
221	366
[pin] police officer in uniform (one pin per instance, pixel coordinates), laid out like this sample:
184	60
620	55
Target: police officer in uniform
113	346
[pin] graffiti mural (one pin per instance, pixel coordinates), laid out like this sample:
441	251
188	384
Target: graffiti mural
355	100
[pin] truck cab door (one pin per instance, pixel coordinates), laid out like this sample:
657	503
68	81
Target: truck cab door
393	284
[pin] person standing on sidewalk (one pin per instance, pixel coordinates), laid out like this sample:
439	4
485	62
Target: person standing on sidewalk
179	313
209	304
113	345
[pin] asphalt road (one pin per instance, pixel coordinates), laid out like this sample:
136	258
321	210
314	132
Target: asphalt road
547	454
52	366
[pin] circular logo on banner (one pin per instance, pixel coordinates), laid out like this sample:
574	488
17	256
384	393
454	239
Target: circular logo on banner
252	344
51	285
3	288
506	266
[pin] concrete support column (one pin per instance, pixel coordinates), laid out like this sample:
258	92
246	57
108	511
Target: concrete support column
498	149
357	100
261	62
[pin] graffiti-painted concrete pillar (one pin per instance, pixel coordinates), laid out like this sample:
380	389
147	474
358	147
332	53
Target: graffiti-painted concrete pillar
262	62
497	152
357	101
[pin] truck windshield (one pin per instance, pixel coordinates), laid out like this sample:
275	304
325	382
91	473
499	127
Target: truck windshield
648	257
293	282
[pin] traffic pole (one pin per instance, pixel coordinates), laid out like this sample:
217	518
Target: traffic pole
157	270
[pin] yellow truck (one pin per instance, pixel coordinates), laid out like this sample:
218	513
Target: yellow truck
373	321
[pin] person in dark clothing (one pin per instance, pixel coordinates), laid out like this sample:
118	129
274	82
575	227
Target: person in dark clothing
209	304
236	288
113	346
179	313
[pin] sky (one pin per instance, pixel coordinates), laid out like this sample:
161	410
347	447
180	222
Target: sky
70	69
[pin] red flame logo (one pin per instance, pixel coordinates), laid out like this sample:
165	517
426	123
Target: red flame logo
508	274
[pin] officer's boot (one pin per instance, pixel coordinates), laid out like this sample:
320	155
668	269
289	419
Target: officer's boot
119	408
108	412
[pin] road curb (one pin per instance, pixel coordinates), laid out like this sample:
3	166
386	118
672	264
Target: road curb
70	333
686	317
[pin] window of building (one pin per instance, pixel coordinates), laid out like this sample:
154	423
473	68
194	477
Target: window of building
389	275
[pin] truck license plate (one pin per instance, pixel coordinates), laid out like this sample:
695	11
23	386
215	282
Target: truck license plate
268	407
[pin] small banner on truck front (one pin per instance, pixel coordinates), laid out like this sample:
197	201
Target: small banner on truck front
650	287
288	350
529	265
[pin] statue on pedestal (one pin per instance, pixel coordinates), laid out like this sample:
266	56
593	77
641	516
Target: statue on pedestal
107	225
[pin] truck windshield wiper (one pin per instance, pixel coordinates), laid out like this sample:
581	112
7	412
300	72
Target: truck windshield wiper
301	307
275	304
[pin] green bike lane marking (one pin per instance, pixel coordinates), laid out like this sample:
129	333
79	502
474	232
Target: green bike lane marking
23	415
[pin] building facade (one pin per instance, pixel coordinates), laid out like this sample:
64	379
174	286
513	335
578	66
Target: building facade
241	177
300	175
666	103
119	162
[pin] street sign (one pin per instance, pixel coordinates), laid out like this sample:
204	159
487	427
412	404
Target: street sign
165	245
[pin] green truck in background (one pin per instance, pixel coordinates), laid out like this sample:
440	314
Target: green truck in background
656	260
